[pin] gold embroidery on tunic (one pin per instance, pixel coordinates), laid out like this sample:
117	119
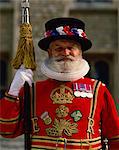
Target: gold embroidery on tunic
76	115
46	118
62	126
62	111
35	125
62	95
90	125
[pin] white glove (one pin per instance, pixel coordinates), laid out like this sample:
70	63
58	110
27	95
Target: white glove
20	77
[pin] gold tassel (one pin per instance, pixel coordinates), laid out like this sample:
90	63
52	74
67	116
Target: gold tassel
25	52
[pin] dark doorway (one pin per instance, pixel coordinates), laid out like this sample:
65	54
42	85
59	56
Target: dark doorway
3	73
102	72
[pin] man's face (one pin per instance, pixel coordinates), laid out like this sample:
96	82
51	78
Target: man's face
64	56
64	49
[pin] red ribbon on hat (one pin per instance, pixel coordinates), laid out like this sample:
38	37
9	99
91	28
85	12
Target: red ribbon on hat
84	35
66	29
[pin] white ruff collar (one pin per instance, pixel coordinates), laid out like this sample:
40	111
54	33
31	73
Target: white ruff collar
82	70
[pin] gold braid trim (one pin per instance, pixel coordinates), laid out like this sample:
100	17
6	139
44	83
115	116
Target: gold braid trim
11	97
9	121
90	130
6	133
115	138
83	142
35	147
61	141
25	51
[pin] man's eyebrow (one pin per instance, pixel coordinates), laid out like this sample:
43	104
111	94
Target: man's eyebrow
55	45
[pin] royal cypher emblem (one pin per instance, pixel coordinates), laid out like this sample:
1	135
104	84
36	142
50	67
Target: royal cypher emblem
62	95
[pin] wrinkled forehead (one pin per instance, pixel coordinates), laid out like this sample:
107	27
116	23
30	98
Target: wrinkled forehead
63	42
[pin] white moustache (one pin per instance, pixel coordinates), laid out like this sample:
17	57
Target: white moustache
64	58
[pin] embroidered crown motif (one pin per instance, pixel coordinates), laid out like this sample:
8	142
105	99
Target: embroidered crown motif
62	95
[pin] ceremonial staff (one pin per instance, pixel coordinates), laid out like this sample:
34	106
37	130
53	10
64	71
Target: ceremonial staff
25	56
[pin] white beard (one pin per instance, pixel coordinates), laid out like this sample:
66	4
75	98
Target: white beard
65	70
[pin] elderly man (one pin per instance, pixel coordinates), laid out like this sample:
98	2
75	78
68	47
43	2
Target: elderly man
69	111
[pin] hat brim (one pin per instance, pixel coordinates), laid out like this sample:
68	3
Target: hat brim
45	42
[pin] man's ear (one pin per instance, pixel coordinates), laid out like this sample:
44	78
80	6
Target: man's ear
49	52
81	52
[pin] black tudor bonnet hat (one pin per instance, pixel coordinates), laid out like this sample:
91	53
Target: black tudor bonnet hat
65	28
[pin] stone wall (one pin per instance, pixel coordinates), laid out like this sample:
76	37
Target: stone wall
6	30
6	40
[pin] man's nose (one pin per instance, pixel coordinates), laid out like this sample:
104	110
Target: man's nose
66	51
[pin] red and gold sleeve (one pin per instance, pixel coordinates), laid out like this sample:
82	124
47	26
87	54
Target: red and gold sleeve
110	120
11	118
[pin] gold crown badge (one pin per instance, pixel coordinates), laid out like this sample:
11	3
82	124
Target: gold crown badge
62	95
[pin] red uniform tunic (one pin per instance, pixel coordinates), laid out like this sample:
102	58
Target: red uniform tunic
65	115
